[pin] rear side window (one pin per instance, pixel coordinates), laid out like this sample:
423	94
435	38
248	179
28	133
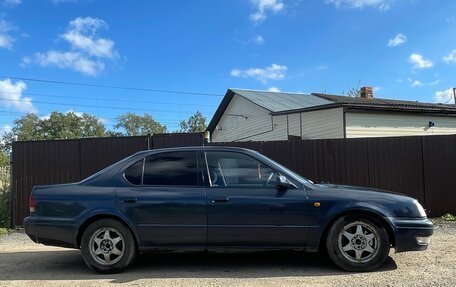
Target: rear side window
134	173
173	168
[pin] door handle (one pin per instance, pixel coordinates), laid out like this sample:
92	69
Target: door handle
220	199
130	200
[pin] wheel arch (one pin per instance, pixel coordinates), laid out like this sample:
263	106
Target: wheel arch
97	217
366	212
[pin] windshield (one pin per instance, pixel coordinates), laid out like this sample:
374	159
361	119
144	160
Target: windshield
293	174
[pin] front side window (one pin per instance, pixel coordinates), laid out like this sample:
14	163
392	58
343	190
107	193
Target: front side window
231	169
172	168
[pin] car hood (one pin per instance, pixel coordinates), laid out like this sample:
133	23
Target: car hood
344	188
395	203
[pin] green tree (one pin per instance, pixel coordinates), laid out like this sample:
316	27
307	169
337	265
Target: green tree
195	123
4	159
58	126
135	125
27	128
71	126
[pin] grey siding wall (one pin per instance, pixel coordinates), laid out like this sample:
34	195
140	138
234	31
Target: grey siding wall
279	131
323	124
245	121
294	124
375	124
242	119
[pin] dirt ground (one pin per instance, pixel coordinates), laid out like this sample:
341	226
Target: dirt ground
24	263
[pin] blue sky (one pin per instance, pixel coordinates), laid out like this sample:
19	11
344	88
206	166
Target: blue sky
406	49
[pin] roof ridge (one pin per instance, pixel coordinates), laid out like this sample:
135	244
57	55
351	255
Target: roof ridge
380	100
266	91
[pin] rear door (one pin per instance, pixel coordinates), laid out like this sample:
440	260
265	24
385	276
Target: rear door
166	200
245	208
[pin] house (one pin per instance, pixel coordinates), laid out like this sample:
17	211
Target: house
247	115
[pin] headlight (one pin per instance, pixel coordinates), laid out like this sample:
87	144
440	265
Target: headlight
420	209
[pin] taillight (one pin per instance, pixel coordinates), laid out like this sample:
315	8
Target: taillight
32	204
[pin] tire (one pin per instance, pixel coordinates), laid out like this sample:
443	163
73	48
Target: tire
358	243
107	246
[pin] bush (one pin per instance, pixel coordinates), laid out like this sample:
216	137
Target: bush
4	198
3	231
449	217
4	209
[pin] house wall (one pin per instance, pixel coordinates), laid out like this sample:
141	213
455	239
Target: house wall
385	124
255	120
246	121
323	124
294	124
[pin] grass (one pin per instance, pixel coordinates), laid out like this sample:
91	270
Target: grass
3	231
449	217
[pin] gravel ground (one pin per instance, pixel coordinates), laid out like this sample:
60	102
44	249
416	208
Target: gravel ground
24	263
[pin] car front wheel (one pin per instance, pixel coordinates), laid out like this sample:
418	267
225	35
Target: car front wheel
358	243
107	246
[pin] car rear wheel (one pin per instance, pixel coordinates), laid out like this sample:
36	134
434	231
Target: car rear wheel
358	243
107	246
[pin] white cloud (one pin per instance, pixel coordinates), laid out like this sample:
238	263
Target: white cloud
71	60
444	96
419	62
399	39
11	96
450	58
418	84
6	41
257	40
62	1
273	72
262	6
48	116
235	73
12	2
88	52
274	89
321	68
5	129
382	5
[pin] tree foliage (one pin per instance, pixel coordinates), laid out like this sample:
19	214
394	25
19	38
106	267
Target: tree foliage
135	125
4	159
195	123
57	126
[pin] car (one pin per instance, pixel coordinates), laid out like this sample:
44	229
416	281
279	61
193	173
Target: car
222	199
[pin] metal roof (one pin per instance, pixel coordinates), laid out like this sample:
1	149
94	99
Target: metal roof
379	102
285	103
278	101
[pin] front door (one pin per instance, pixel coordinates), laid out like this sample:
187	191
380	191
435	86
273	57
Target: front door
245	207
166	201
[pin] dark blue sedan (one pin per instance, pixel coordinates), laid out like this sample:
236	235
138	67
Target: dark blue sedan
221	199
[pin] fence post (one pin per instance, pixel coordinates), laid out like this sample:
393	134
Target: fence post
13	190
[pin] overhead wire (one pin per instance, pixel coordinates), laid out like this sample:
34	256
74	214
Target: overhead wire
104	99
111	86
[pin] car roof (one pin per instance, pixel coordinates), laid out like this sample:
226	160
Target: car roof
194	148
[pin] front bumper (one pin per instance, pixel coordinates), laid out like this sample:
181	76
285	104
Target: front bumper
51	232
412	234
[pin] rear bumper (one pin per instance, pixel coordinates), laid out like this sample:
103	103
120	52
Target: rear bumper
51	232
412	234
